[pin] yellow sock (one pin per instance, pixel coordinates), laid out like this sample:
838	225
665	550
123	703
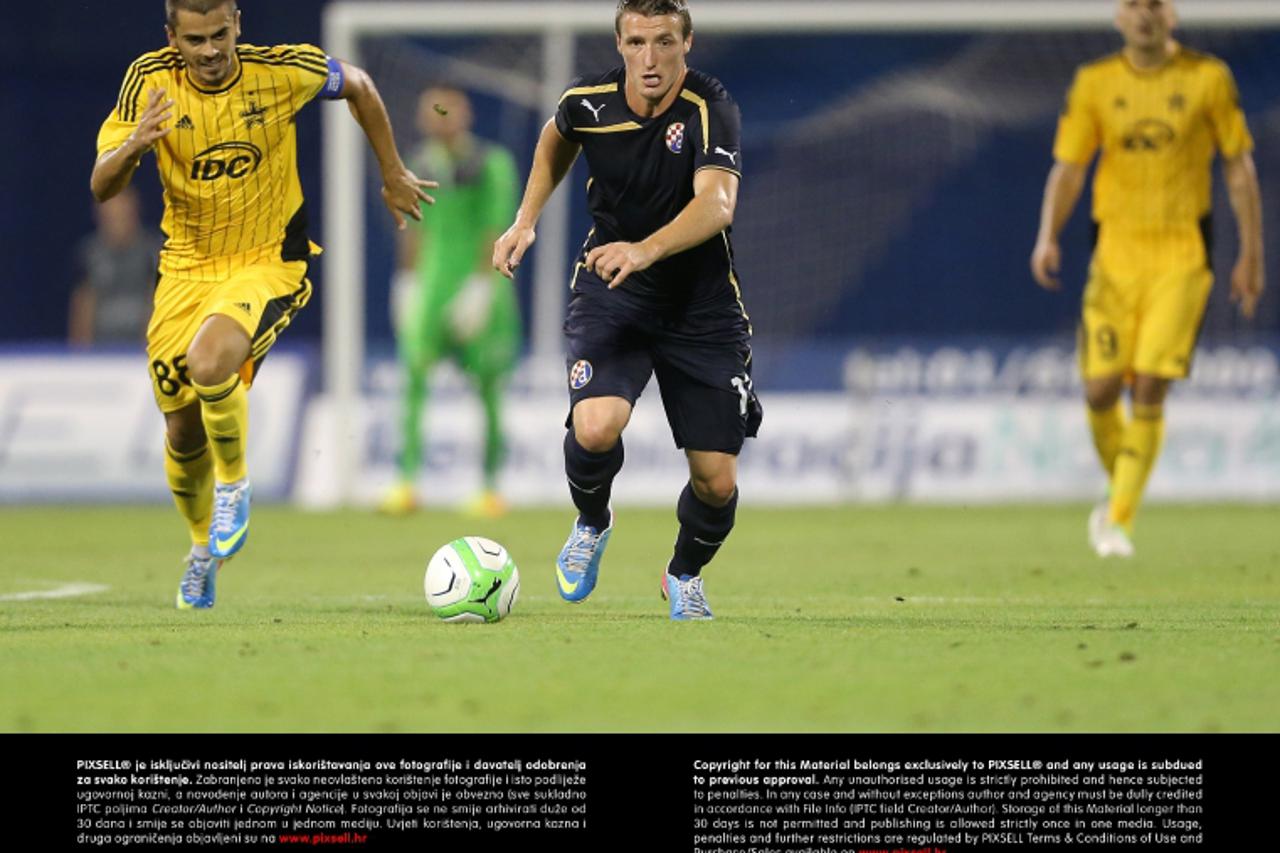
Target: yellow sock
190	478
1138	452
224	408
1107	427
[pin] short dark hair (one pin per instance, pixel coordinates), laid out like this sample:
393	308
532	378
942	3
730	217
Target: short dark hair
203	7
652	8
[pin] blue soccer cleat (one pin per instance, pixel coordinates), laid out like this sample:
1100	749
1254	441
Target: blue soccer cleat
230	526
687	599
579	560
197	587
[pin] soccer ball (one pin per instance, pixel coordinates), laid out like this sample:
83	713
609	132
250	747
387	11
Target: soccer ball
471	580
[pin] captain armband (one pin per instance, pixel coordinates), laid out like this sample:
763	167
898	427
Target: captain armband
336	81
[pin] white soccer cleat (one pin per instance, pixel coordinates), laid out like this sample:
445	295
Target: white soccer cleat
1098	522
1113	541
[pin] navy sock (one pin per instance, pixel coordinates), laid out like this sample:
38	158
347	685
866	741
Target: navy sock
703	529
591	479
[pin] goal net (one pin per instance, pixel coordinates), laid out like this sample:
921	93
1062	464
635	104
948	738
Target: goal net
894	155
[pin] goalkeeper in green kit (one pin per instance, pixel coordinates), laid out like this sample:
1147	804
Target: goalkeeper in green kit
447	300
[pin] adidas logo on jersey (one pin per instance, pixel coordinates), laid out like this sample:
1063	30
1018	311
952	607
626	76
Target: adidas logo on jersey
185	123
245	307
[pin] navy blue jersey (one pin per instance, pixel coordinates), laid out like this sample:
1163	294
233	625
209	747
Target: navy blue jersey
642	177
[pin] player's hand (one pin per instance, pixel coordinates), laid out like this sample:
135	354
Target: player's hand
151	129
509	249
403	193
1046	262
1246	284
613	262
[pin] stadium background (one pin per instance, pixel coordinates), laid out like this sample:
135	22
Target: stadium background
892	191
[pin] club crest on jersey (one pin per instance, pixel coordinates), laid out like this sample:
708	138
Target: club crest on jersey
580	374
675	137
254	115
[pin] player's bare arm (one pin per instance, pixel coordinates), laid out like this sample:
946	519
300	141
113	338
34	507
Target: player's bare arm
1061	192
552	160
1248	276
710	211
402	190
114	169
408	245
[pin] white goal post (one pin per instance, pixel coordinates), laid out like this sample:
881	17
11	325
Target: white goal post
558	23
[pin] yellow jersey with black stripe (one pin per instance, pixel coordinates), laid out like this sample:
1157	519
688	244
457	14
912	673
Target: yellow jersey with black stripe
1158	130
642	171
229	165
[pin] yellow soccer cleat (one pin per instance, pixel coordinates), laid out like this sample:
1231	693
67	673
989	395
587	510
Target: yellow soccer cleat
487	504
399	500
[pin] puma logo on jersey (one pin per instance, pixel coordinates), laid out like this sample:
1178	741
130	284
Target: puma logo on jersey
733	158
595	111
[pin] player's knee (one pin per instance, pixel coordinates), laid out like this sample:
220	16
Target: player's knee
714	488
1102	394
597	428
1150	391
209	365
217	351
597	437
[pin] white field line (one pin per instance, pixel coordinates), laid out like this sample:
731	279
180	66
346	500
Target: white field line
984	601
67	590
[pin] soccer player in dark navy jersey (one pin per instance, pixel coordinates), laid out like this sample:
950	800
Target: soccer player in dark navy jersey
654	289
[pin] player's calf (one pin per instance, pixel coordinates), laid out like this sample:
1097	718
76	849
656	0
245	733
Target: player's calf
703	529
590	477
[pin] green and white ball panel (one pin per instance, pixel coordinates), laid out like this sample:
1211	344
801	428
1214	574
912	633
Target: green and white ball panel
471	580
510	592
447	581
488	554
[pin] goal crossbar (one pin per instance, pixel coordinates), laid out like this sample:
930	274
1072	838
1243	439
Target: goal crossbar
345	23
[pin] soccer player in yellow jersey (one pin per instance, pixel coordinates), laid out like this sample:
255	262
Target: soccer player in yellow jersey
1158	112
220	119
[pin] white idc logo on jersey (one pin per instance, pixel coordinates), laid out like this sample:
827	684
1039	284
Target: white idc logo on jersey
675	137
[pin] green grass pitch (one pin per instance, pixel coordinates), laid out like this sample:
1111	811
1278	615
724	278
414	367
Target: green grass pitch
890	619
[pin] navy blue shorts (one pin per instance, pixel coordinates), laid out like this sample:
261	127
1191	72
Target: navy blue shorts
701	356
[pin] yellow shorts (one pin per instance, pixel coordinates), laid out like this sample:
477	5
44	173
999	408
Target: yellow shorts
262	298
1142	323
